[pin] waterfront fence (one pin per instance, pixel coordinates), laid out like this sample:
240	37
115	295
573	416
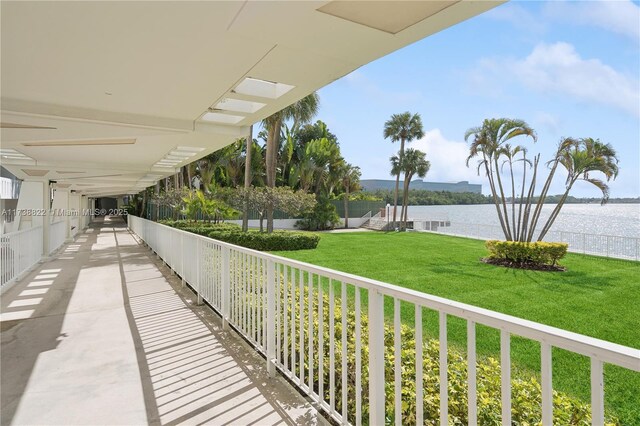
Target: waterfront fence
594	244
285	308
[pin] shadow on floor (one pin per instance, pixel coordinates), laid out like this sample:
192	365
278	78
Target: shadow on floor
193	371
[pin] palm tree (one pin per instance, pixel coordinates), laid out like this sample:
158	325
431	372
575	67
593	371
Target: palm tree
230	164
581	158
404	128
350	180
413	163
300	112
511	154
488	144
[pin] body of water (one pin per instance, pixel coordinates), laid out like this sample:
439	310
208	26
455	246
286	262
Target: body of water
610	219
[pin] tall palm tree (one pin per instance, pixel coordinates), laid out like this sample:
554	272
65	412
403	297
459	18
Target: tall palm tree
230	164
413	163
488	143
511	156
402	127
300	112
581	158
350	180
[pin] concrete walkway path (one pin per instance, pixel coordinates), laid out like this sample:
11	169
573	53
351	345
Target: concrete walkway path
103	334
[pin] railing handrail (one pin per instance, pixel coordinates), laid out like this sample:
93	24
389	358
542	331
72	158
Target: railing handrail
22	231
602	350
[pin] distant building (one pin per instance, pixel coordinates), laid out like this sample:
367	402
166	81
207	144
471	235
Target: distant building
372	185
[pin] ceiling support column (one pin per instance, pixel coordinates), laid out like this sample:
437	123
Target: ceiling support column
46	219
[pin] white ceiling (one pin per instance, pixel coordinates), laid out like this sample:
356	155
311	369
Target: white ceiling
148	72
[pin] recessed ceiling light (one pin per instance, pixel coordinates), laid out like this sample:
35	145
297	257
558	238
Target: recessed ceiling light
222	118
12	154
238	105
189	148
262	88
182	154
35	172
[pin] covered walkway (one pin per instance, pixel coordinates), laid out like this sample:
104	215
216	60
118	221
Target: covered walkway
104	334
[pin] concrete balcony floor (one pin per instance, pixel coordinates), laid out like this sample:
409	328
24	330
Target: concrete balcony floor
104	334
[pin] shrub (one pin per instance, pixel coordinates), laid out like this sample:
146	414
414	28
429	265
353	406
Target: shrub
188	225
323	216
232	233
520	252
526	390
275	241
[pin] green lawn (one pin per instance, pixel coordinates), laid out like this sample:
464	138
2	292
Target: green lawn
597	297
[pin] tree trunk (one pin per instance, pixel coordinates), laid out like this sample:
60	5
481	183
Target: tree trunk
395	194
405	200
492	186
346	208
524	234
189	176
504	202
272	146
247	180
395	198
524	180
556	211
514	233
543	196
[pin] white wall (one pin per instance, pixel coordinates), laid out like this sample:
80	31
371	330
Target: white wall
277	223
60	204
354	222
31	198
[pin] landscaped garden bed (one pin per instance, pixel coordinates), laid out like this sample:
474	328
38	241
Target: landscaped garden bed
593	297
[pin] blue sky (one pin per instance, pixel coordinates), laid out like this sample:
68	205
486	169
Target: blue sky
567	68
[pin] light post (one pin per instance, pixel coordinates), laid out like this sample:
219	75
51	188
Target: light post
388	206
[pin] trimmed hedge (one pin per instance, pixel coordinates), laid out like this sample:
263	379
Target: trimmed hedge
188	225
275	241
519	252
231	233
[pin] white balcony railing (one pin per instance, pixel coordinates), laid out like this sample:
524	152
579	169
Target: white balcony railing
19	251
9	188
283	307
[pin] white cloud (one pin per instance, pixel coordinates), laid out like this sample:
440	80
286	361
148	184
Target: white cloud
558	68
447	158
619	16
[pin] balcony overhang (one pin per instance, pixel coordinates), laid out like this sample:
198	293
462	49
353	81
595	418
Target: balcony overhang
171	74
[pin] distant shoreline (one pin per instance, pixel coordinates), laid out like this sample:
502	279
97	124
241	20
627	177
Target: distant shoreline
420	197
